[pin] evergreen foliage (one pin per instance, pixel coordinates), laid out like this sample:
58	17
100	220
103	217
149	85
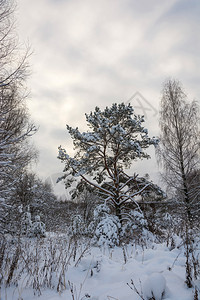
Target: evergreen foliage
116	138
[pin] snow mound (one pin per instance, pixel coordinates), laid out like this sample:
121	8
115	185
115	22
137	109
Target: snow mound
154	287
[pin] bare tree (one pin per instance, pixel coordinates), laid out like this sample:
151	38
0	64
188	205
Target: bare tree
15	125
179	143
13	66
179	153
30	194
15	129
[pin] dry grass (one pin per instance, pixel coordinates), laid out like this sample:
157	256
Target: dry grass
38	263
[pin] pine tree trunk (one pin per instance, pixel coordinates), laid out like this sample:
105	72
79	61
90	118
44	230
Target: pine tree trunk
118	213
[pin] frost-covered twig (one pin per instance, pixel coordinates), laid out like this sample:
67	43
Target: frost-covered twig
133	287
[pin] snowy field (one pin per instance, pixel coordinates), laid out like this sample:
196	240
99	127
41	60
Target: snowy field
107	274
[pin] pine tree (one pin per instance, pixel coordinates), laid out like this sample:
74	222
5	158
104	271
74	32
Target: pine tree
116	139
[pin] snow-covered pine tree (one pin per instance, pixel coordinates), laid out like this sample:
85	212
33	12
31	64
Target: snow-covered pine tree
106	227
26	223
116	139
38	228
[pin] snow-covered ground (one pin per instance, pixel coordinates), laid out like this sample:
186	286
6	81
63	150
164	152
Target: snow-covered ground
107	274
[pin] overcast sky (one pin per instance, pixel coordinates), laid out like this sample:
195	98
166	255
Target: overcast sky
89	53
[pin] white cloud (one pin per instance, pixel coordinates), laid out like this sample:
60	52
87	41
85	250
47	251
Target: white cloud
89	53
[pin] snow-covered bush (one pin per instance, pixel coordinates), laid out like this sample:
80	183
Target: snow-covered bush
99	213
77	227
101	210
38	228
138	219
32	229
107	231
105	227
134	227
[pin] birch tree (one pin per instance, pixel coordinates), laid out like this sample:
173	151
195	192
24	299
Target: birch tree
179	152
180	145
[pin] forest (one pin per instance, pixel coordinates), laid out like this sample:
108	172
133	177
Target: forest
119	235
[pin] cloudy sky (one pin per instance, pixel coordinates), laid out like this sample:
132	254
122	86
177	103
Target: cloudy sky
89	53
